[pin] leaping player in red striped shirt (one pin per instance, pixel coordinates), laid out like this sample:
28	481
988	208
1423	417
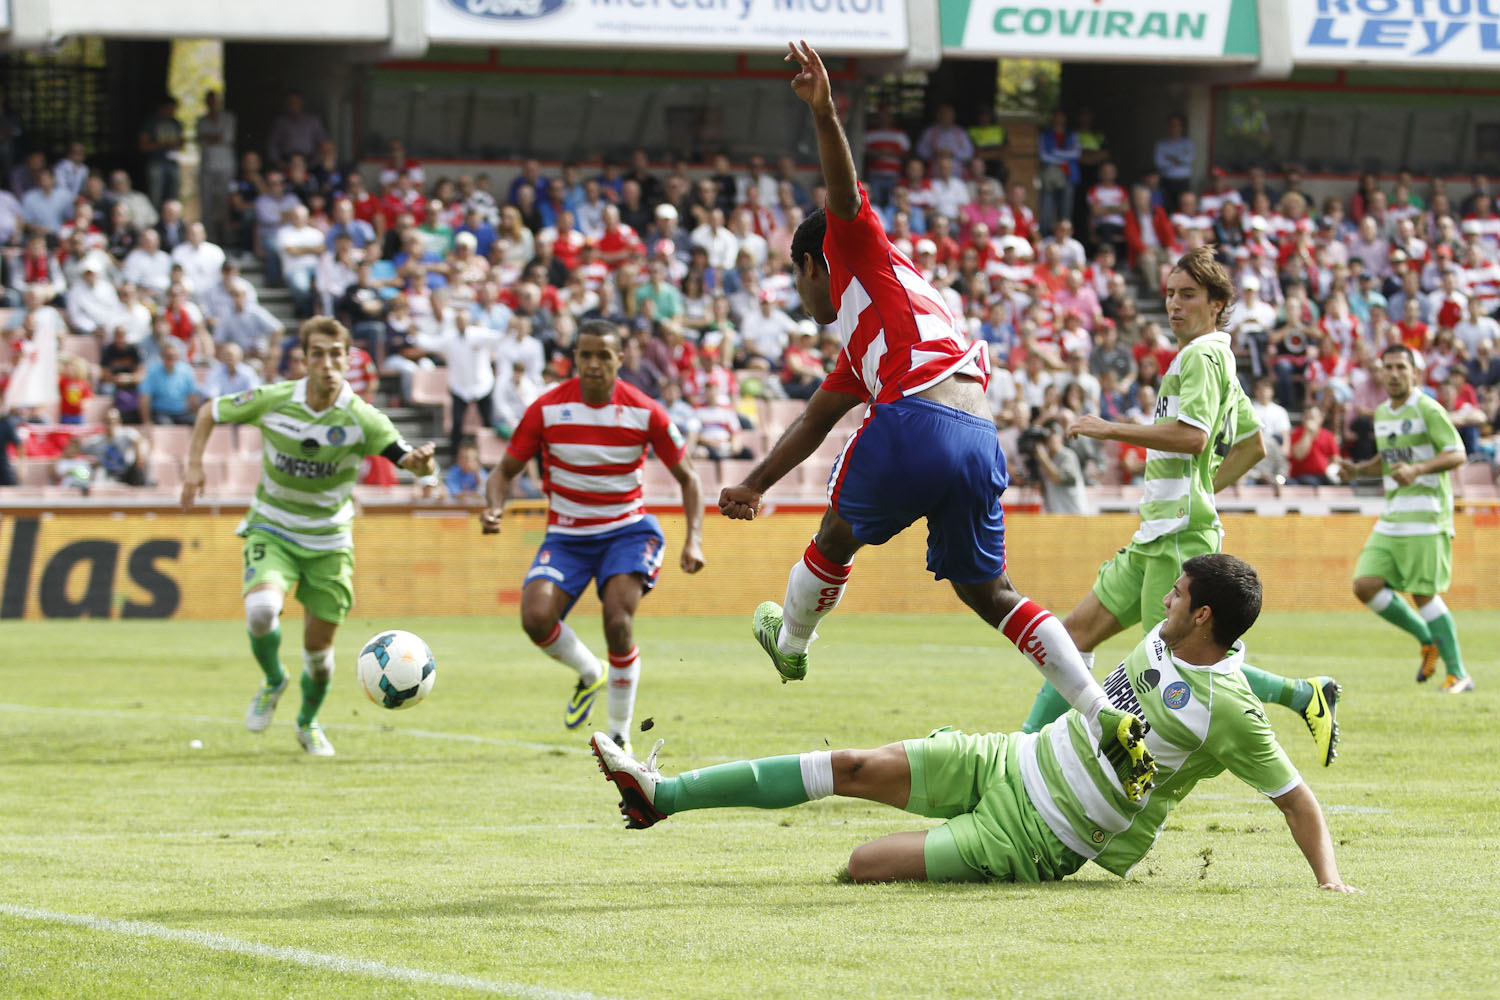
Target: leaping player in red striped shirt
927	447
592	432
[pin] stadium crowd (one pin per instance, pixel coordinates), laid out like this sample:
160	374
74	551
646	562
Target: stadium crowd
123	311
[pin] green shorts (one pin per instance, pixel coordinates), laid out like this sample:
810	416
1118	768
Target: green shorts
1132	584
993	831
1414	564
324	580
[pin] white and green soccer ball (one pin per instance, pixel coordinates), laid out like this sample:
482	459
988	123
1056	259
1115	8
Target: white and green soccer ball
396	669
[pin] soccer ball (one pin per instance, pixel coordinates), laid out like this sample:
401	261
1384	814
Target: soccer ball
396	669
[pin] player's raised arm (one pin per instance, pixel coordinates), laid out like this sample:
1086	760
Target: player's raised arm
192	478
1304	817
497	491
824	410
811	84
1175	436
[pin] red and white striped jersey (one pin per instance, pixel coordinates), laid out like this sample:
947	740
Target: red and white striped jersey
592	455
898	334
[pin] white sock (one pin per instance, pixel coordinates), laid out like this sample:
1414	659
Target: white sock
564	646
1042	639
817	774
813	590
318	664
624	676
1381	600
1088	660
1433	610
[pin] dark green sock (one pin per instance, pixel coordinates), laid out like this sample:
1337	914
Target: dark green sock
1273	689
313	692
267	650
1401	615
768	783
1445	637
1049	705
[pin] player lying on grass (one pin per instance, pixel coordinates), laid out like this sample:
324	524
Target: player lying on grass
1035	807
927	449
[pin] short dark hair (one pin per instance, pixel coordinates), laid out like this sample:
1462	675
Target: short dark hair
808	239
1230	588
1399	349
601	328
1200	265
324	324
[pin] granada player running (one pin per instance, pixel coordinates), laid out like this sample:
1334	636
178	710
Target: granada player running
927	447
592	431
1036	807
297	528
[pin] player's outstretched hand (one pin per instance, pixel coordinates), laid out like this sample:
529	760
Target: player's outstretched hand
490	519
1090	426
692	557
419	461
811	82
192	485
739	502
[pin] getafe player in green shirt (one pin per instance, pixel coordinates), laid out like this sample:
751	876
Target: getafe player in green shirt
1411	548
1204	438
1034	807
297	531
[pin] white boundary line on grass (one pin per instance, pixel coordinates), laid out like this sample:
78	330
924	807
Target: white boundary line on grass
297	956
423	734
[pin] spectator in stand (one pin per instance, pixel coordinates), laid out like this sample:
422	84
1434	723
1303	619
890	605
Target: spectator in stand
514	392
720	434
229	375
73	390
1295	332
766	331
272	210
1277	425
469	353
1109	356
46	207
74	468
161	142
182	320
149	267
1173	159
1313	451
464	479
1059	151
121	365
23	176
639	370
802	366
120	237
1108	204
170	227
216	137
345	223
170	393
945	135
72	170
1061	471
886	147
37	269
250	327
121	454
300	244
93	303
9	439
949	192
1249	327
1483	369
1150	240
295	131
244	190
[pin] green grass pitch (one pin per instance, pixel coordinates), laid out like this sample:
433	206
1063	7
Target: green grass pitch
469	847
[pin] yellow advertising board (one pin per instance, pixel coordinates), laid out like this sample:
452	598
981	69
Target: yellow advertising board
425	562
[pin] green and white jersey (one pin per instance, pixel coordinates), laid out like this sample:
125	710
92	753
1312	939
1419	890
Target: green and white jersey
311	460
1418	431
1201	721
1199	389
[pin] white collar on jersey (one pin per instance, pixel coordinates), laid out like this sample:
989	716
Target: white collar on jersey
343	399
1157	649
1213	337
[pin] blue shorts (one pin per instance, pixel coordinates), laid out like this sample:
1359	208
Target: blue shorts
916	458
570	561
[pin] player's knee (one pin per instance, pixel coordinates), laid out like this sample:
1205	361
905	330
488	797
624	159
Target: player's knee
619	629
318	663
1366	588
262	612
865	865
537	624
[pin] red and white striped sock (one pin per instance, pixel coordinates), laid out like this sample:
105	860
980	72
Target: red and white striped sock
564	646
624	676
813	590
1042	639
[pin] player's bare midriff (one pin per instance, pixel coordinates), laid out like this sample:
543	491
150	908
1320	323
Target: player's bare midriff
962	392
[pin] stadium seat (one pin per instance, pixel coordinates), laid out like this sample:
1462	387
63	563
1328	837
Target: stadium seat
491	446
242	475
1476	474
781	412
248	441
220	443
658	486
429	387
215	475
95	407
37	472
82	345
165	470
170	439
